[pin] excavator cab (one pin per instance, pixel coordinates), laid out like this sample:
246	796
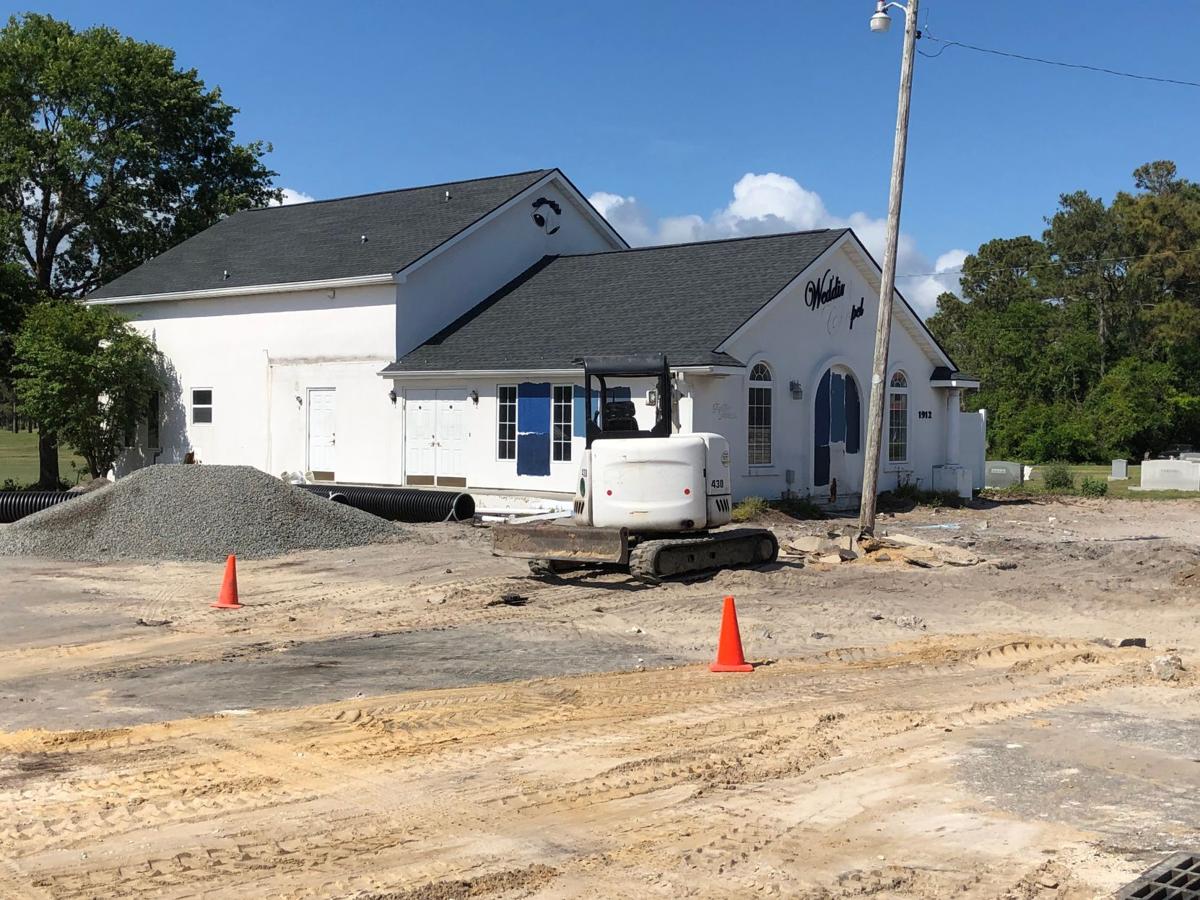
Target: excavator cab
612	416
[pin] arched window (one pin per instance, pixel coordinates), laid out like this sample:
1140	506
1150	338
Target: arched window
898	418
759	416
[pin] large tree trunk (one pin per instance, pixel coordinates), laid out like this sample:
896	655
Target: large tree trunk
47	461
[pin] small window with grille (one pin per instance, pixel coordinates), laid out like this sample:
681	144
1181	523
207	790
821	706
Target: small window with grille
564	398
506	421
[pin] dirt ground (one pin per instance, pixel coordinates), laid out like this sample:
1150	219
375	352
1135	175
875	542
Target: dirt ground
379	723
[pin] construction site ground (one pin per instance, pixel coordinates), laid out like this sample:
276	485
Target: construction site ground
423	720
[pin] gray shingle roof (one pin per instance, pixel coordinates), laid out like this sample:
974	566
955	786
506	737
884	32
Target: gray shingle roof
682	300
323	239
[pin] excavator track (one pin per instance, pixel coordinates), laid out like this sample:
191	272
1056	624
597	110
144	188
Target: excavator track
653	560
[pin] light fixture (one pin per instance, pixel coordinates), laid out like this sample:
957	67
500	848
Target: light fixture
881	21
392	396
299	400
797	390
475	396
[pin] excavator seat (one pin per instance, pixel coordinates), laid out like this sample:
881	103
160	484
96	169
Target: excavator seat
620	415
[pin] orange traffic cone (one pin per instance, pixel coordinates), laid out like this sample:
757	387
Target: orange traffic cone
228	598
729	644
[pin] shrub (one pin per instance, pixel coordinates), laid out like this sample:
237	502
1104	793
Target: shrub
750	508
797	508
1093	487
907	494
1057	476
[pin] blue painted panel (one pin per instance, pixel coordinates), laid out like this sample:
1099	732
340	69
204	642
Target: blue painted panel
837	409
533	422
853	425
821	466
821	415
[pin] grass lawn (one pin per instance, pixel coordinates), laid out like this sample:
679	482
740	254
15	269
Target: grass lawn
1119	489
19	458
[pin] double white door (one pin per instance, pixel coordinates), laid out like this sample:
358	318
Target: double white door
435	436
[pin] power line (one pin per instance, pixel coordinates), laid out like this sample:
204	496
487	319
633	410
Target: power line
1056	264
1053	62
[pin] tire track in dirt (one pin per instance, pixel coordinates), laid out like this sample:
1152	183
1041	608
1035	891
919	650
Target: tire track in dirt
359	786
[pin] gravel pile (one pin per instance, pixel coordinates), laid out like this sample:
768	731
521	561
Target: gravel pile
193	512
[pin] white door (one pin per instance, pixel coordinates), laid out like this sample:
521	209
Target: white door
322	432
451	436
420	436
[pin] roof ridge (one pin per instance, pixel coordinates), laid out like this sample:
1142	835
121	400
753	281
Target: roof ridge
727	240
419	187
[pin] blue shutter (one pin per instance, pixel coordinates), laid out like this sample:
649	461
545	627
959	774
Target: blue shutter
853	426
533	418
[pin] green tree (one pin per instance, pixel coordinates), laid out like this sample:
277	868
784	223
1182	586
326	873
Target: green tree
87	375
1087	342
109	155
1135	408
17	295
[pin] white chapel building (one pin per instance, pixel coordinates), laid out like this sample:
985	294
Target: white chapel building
433	336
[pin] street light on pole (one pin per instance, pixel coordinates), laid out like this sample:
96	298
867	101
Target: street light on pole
880	23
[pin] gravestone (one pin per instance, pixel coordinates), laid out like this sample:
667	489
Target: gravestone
1001	474
1120	470
1171	475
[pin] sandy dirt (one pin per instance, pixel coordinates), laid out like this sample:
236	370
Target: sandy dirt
380	723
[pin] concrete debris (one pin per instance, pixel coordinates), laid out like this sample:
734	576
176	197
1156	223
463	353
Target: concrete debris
909	622
835	548
1167	668
193	512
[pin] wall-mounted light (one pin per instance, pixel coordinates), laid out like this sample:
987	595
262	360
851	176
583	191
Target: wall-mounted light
475	396
797	390
299	400
392	396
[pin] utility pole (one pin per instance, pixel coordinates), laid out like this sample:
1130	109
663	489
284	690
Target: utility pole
887	287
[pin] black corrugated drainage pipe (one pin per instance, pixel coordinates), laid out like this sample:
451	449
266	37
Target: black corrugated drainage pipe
400	504
19	504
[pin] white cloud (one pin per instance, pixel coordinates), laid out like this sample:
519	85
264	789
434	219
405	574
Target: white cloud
291	195
770	203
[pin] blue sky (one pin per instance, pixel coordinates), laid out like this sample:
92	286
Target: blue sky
659	109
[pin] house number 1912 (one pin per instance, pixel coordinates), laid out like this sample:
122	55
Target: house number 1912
925	414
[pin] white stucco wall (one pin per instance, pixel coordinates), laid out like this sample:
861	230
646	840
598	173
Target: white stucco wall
483	467
799	344
257	354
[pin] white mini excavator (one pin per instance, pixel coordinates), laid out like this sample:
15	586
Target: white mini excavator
647	501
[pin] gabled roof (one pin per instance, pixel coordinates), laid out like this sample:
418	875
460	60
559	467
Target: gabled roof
321	240
682	300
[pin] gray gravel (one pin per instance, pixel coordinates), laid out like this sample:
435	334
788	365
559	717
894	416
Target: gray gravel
193	512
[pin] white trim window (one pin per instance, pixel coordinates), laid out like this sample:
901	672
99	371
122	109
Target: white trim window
758	414
506	421
564	402
898	418
202	406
